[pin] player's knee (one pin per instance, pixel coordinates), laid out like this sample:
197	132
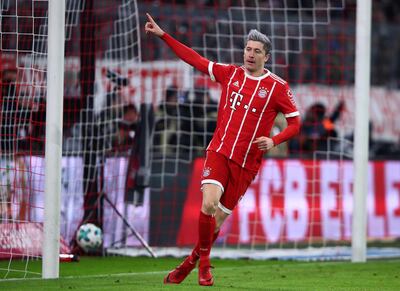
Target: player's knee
209	207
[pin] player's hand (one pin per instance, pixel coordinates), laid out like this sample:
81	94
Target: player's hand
264	143
152	27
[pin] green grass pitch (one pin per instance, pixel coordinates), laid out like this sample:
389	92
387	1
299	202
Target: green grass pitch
141	273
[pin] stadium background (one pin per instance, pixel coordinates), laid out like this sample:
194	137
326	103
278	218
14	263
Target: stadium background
319	67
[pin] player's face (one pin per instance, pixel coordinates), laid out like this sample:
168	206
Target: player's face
255	57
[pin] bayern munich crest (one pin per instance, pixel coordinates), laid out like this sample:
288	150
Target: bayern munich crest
206	171
262	92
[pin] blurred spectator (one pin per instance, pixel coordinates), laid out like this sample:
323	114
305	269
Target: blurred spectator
111	113
22	117
378	149
325	58
317	128
8	110
205	112
126	129
184	126
198	121
166	124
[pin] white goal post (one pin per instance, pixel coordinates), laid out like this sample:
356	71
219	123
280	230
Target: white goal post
53	150
362	96
305	204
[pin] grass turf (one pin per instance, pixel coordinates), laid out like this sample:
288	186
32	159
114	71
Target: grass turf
124	273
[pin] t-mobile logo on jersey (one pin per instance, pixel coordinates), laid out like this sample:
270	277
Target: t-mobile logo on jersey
235	99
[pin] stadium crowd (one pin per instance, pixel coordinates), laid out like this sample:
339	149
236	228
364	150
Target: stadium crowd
190	121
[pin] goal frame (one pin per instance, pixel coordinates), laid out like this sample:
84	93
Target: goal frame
53	148
361	145
55	77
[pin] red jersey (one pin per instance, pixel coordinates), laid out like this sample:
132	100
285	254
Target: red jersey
247	110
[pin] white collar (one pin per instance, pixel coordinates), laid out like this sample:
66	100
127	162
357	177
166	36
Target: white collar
256	78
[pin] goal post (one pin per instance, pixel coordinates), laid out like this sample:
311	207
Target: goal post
34	69
53	151
310	200
361	134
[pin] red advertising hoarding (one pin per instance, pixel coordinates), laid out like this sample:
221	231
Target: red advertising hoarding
299	201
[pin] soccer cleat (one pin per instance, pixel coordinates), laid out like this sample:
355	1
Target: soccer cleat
205	276
179	274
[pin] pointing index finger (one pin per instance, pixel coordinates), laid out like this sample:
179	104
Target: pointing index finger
150	18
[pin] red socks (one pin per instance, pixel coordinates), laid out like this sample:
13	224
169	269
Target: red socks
207	236
196	251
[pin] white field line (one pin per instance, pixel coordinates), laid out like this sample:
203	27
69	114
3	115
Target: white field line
122	274
163	272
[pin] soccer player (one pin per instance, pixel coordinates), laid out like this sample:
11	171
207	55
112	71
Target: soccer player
250	100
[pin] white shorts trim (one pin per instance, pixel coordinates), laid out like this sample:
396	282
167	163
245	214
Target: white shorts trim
212	181
224	209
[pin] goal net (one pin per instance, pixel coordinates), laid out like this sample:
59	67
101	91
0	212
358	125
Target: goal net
136	122
300	204
104	113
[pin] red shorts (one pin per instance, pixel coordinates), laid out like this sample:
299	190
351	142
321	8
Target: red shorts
231	177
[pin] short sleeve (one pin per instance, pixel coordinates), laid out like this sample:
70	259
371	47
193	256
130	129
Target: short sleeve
286	103
220	72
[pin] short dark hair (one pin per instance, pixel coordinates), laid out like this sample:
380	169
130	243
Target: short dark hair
255	35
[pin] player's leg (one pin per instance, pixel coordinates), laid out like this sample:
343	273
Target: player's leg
220	218
177	275
207	226
208	218
205	276
236	186
214	177
207	223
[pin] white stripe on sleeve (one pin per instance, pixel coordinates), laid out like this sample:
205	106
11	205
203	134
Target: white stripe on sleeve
210	71
293	114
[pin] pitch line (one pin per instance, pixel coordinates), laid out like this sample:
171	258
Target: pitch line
122	274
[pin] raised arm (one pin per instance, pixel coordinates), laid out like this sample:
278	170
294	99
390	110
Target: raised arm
185	53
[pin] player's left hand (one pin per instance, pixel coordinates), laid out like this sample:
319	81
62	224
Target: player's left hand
264	143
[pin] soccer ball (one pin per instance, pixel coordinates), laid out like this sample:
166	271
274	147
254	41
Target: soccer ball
89	237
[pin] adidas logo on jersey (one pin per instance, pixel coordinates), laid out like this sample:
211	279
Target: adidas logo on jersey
236	84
